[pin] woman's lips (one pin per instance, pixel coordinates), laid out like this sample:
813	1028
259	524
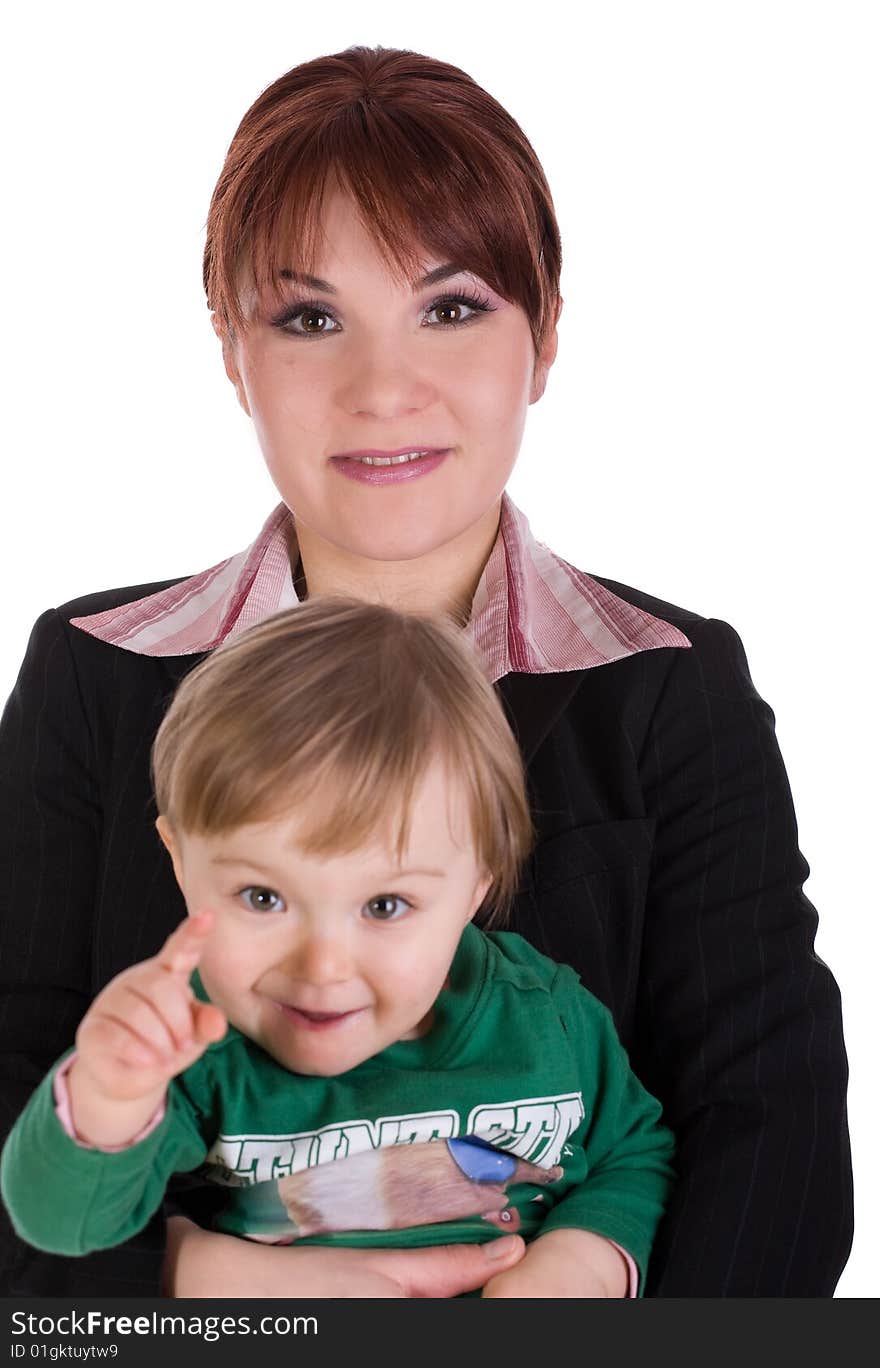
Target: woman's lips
389	474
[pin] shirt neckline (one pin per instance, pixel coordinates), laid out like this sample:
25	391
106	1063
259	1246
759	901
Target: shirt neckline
532	611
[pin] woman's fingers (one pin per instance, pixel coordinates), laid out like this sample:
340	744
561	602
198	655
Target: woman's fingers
445	1270
203	1263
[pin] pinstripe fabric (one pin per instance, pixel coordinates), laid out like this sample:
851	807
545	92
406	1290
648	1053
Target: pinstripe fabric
666	871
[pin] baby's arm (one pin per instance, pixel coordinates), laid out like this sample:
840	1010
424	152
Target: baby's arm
564	1263
628	1170
142	1030
71	1196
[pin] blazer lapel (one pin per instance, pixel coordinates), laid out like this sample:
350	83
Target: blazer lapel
533	702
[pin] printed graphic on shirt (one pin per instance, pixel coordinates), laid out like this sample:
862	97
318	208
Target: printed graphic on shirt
395	1173
533	1128
409	1185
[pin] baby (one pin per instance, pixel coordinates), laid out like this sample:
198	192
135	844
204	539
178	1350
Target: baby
327	1038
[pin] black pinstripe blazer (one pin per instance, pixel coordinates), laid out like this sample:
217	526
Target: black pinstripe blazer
666	871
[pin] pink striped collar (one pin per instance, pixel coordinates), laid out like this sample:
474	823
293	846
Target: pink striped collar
532	613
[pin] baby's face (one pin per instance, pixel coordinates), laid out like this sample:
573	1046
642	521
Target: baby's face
326	961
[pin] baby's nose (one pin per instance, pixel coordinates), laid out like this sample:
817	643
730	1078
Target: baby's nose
322	959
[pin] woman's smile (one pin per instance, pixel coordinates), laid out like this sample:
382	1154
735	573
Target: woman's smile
388	470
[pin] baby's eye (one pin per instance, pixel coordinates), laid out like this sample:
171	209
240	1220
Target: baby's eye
261	899
386	907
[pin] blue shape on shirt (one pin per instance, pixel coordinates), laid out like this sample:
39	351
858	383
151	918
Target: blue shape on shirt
481	1161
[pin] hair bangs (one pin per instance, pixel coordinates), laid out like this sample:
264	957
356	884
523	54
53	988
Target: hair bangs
337	811
434	165
333	713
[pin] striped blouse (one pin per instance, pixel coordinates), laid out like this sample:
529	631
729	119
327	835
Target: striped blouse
532	612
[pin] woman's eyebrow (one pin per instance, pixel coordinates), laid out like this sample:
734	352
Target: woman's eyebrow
317	283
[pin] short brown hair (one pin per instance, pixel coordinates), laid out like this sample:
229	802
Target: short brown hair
335	709
430	158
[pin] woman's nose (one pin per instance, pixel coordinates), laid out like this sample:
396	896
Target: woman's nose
382	382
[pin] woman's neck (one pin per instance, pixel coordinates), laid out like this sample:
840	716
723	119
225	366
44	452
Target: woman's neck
440	584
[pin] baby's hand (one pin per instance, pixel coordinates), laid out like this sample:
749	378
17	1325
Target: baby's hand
143	1029
564	1263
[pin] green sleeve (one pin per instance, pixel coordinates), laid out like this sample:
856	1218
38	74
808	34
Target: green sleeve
629	1151
67	1199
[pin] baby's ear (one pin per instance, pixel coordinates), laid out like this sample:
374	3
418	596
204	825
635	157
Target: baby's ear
166	834
480	892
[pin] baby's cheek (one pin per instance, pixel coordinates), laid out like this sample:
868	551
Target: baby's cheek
412	1001
224	976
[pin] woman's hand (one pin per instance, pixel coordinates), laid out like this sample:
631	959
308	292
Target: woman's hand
146	1027
564	1263
202	1263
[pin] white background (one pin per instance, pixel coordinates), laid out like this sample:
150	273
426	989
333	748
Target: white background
710	429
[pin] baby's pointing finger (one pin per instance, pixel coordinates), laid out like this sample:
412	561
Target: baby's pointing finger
210	1022
170	998
183	949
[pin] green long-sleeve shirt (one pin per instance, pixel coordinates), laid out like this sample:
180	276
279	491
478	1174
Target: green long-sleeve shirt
519	1056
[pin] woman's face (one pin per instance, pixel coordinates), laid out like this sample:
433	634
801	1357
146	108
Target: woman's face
375	364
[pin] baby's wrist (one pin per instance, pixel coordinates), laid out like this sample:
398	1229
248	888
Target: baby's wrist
601	1261
106	1122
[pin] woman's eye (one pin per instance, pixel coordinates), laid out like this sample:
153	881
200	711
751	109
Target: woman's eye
473	303
310	313
313	318
387	907
261	899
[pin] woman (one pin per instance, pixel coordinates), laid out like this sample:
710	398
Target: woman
383	263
